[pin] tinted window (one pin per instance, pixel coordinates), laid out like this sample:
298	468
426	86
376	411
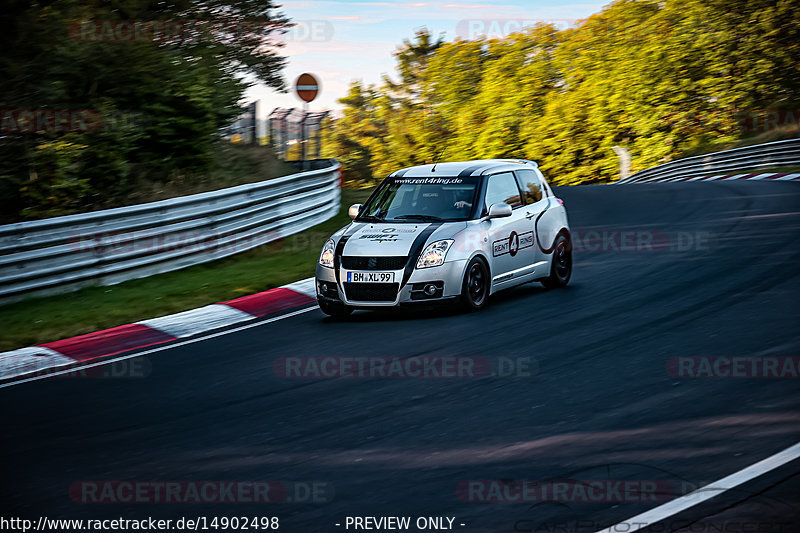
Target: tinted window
530	185
422	199
502	188
545	185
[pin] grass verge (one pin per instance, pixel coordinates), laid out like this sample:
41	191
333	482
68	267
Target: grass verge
39	320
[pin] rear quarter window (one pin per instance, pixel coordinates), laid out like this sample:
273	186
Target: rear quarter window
530	184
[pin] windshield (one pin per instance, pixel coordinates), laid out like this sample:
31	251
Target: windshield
422	199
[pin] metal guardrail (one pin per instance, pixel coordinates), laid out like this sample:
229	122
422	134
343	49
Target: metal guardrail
66	253
772	154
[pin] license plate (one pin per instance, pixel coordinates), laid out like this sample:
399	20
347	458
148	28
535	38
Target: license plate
370	277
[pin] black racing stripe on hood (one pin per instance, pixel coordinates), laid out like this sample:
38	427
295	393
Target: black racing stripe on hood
416	250
339	250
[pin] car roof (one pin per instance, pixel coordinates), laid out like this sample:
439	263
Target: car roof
476	167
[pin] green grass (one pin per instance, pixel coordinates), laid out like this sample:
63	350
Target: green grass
39	320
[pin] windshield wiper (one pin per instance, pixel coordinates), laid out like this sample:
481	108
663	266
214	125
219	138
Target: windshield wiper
428	218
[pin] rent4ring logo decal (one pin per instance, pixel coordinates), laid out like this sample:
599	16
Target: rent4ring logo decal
514	243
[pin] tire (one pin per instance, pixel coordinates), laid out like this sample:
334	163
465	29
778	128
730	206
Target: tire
561	265
335	310
476	285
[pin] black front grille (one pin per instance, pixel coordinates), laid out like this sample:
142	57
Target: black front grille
356	262
371	292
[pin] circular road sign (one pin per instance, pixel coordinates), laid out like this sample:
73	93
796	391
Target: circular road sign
306	87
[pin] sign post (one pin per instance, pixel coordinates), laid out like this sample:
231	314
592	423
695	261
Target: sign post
249	124
307	88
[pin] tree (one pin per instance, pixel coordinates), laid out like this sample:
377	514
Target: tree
659	78
157	102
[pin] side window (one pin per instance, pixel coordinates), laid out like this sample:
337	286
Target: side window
502	188
545	185
530	184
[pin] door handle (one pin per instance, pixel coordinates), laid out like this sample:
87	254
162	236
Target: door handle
529	215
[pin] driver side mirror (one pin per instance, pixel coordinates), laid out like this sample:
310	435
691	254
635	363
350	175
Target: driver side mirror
354	210
499	210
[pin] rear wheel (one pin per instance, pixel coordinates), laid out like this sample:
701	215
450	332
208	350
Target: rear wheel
335	310
475	288
561	267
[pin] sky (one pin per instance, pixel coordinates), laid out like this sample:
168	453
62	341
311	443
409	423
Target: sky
343	40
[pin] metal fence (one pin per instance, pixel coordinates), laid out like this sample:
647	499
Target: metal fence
66	253
767	155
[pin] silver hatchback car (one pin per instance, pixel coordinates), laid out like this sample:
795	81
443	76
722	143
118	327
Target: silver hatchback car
447	232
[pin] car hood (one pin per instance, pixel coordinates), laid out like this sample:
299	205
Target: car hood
382	239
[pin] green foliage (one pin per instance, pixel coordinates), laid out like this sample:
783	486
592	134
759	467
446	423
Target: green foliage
54	184
155	105
660	78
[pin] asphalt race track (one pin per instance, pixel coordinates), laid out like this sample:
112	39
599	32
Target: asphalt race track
702	270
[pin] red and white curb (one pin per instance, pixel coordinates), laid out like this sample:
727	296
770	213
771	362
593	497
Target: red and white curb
780	176
100	344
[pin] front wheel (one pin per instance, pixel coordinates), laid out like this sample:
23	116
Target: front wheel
561	266
335	310
475	288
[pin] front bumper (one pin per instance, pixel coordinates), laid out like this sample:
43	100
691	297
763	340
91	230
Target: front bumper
449	277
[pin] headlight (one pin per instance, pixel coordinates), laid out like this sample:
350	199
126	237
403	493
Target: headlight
326	257
434	254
